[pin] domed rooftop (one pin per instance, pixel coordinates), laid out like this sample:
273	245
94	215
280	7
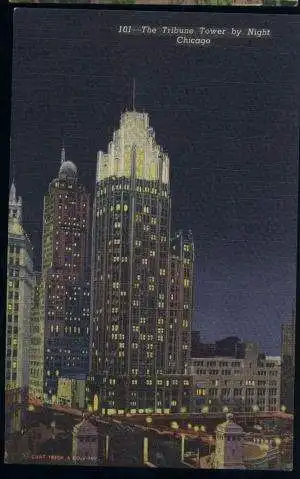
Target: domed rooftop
67	171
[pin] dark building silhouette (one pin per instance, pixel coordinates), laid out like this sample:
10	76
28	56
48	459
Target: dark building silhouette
228	347
64	277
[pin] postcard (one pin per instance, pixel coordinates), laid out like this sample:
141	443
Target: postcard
152	242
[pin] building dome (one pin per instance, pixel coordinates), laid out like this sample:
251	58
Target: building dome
67	171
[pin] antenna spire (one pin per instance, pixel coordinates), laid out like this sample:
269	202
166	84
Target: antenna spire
63	153
133	95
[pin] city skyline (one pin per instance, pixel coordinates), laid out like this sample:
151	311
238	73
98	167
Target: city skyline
231	296
156	176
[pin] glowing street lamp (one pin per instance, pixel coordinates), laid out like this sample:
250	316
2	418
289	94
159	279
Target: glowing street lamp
255	409
277	441
205	409
202	428
196	428
225	410
148	421
174	426
283	408
189	426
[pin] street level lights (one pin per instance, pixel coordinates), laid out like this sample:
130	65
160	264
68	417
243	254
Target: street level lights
277	441
196	429
148	421
255	410
283	408
189	426
174	426
225	409
205	410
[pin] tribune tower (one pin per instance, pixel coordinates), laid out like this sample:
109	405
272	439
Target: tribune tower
131	268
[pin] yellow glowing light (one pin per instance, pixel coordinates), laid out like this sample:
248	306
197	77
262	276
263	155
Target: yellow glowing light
277	441
174	425
196	428
96	403
148	420
189	425
111	412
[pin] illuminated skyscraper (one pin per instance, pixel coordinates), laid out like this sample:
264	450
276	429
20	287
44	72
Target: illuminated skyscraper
19	297
64	272
20	282
131	268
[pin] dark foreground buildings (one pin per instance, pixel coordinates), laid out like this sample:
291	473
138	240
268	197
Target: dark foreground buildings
142	281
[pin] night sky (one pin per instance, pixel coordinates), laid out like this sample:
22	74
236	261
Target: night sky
226	115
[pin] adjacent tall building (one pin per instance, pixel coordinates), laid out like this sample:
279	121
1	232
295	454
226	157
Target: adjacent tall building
141	287
20	281
65	301
288	332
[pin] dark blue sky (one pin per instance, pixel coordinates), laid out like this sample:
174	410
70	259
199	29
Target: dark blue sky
226	115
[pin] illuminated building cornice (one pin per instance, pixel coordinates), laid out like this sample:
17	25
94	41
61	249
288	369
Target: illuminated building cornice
135	133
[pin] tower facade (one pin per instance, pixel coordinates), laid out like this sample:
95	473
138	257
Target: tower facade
36	363
131	271
287	392
181	302
20	282
66	299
